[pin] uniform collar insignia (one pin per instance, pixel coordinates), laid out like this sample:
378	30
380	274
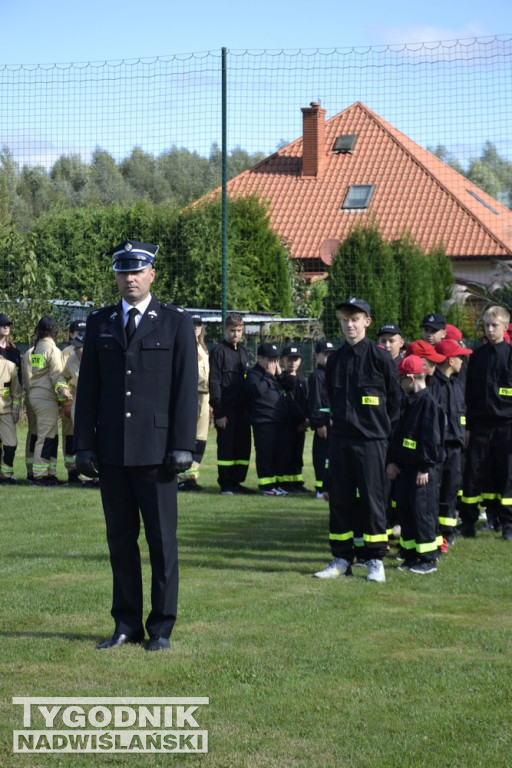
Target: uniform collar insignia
113	315
152	313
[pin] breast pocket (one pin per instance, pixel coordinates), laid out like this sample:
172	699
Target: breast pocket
155	354
371	391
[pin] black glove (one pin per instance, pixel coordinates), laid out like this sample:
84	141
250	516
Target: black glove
177	461
87	463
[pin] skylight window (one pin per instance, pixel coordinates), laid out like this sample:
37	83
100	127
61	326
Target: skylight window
480	200
345	144
358	197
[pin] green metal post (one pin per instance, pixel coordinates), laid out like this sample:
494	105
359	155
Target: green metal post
224	294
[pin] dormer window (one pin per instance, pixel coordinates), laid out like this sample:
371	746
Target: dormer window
358	197
344	144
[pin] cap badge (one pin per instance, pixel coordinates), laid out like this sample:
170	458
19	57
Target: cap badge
128	247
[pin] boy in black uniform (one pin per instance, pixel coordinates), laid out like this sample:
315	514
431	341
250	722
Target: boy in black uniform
414	457
489	425
433	328
229	363
390	337
446	389
362	383
319	413
268	412
297	422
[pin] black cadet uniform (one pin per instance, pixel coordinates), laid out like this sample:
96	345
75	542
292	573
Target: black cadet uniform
136	405
293	435
364	392
268	412
417	446
489	421
448	392
319	408
228	397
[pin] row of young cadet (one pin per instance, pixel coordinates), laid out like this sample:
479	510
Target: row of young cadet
391	424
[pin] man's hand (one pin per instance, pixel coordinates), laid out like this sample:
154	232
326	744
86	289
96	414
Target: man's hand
421	478
222	422
177	461
87	463
392	471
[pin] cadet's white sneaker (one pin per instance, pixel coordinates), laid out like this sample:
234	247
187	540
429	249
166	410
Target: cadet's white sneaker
337	567
376	571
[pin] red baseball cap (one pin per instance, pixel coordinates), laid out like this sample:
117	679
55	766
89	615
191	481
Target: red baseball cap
452	332
450	348
412	365
424	349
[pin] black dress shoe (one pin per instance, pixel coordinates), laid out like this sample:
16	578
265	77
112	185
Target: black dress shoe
117	639
157	643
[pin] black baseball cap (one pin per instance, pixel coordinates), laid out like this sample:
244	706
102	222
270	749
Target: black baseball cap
324	346
389	328
267	350
434	320
291	351
354	303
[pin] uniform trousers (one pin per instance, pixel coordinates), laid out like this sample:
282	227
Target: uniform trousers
30	440
127	493
451	483
357	496
233	449
8	443
46	410
320	453
417	513
270	457
292	445
67	441
488	463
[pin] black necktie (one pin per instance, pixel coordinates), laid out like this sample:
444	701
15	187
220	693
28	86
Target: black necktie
130	325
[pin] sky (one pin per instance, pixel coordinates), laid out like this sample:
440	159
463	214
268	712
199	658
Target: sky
59	31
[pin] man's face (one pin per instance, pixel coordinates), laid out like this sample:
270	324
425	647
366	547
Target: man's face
456	363
134	287
291	363
233	333
432	335
322	358
430	368
407	384
495	330
268	363
354	325
393	342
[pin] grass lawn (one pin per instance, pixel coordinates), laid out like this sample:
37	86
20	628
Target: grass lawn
413	673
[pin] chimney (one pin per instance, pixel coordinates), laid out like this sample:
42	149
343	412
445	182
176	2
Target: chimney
313	139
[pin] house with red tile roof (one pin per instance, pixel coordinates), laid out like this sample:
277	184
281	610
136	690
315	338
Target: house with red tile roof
356	168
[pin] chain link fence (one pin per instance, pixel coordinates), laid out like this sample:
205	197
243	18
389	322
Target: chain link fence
96	152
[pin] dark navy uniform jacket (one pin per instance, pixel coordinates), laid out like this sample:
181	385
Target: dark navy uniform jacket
418	438
364	390
136	402
489	385
228	369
